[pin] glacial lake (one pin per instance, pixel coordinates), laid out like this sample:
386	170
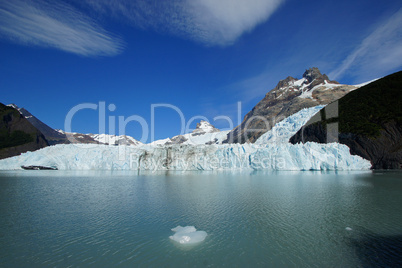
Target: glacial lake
252	219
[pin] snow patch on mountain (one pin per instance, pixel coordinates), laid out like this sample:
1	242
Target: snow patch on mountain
12	105
191	139
114	139
160	142
325	86
299	82
203	134
204	127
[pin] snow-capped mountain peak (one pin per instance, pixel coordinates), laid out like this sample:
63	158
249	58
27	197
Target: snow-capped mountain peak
114	139
204	127
203	134
310	86
288	97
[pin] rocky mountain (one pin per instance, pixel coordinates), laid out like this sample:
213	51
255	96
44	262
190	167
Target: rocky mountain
78	137
51	135
204	127
17	134
60	137
367	120
288	97
99	138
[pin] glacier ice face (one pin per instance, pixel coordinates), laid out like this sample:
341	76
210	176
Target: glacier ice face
282	156
272	151
285	129
188	235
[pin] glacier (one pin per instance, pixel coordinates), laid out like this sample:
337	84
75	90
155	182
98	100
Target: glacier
283	156
272	151
285	129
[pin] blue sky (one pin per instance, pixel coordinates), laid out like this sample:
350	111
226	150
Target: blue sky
202	56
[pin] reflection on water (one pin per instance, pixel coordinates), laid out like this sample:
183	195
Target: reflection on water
278	219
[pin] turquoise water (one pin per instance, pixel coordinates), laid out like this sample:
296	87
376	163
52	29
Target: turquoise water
283	219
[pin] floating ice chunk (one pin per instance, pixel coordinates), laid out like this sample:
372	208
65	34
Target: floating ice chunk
187	229
187	235
348	229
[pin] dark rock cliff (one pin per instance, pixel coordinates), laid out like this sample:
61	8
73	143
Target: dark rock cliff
367	120
51	135
17	135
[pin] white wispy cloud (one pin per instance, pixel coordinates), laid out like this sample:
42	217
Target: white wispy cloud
55	24
222	22
378	54
210	22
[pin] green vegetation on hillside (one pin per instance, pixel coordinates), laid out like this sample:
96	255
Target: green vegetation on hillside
366	110
16	138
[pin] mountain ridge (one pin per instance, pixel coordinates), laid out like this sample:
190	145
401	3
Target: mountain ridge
204	134
17	134
288	97
51	135
54	136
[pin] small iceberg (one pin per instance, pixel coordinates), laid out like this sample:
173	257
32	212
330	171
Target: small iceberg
187	235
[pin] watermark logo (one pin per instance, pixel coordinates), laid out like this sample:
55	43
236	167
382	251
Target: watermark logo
147	129
248	130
